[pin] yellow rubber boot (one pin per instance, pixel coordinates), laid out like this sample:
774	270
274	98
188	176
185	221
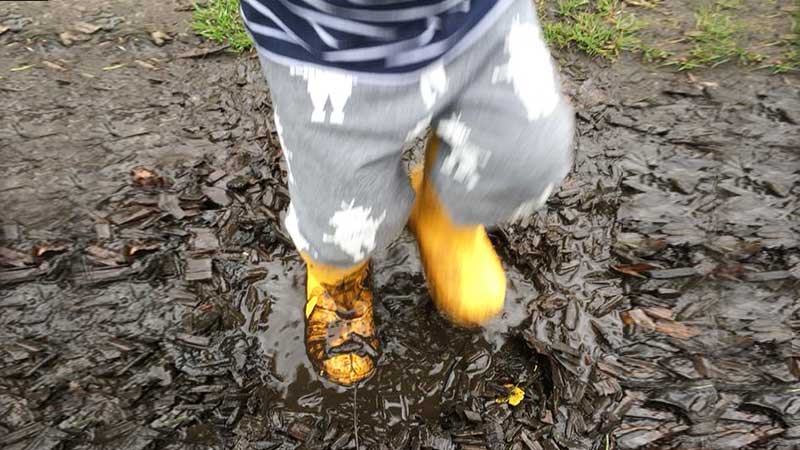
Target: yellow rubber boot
340	332
464	273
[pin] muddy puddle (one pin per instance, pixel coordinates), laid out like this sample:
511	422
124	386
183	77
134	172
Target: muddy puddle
151	298
425	361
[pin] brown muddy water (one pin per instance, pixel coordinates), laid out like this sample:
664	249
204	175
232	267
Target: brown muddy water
150	298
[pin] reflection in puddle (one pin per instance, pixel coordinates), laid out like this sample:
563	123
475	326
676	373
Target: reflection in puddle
281	336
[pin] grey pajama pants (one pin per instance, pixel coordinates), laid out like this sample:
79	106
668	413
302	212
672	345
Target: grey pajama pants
505	134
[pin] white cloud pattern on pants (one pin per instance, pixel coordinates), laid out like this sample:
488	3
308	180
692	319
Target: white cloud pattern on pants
529	69
286	152
324	85
354	230
432	84
464	159
293	227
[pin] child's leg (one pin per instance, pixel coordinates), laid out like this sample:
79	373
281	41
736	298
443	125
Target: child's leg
350	195
342	141
506	141
504	144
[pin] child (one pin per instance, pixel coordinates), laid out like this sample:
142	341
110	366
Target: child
351	82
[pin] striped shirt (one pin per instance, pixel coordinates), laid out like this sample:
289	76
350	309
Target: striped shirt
366	36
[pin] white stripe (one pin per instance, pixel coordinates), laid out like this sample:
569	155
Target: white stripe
394	79
348	26
326	37
274	33
266	12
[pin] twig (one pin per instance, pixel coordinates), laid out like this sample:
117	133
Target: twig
202	52
355	414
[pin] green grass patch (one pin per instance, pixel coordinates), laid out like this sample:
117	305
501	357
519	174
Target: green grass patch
720	32
219	21
599	28
713	41
790	59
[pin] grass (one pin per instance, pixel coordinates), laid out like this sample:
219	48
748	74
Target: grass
599	28
718	34
790	58
713	41
219	21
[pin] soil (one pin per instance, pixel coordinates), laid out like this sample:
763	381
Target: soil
151	299
763	28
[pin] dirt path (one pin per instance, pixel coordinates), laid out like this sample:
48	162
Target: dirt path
652	304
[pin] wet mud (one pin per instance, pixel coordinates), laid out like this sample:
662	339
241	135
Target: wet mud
151	298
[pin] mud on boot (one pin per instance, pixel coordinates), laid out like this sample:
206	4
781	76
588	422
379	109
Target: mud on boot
341	340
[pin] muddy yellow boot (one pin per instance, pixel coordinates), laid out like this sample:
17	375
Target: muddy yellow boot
340	331
464	273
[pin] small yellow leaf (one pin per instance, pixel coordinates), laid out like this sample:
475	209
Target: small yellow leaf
515	395
310	304
21	68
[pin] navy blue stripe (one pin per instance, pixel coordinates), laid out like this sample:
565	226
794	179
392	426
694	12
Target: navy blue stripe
383	51
377	36
389	13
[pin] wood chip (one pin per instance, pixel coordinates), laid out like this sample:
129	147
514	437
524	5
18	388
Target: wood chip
159	38
215	176
145	64
144	177
204	240
208	389
129	215
133	248
104	256
634	270
102	230
638	317
52	65
299	431
675	329
663	322
122	345
86	27
14	258
48	247
608	386
473	416
103	275
667	293
201	52
767	276
170	204
19	275
193	341
198	269
10	232
68	38
22	433
217	195
529	442
666	274
657	312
